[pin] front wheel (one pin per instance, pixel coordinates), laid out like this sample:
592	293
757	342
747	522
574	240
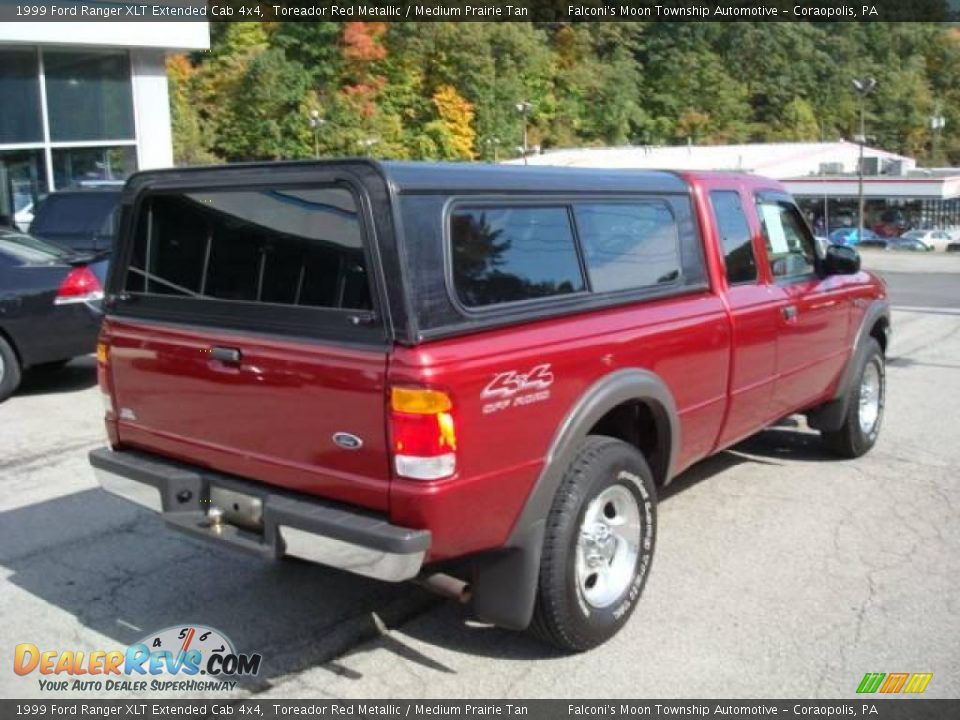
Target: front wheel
865	401
598	546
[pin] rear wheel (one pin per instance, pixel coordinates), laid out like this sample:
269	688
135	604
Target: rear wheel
9	370
598	546
865	402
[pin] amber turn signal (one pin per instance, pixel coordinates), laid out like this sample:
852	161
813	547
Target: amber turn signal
419	401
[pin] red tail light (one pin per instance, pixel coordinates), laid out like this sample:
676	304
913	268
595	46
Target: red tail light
80	285
423	433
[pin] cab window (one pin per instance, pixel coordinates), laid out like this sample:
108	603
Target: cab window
790	246
735	236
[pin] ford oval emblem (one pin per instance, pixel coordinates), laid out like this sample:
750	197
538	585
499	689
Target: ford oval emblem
347	441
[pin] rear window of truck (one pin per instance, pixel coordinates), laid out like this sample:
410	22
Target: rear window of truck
276	246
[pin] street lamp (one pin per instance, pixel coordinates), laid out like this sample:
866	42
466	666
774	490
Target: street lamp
367	143
523	107
863	87
316	122
937	123
493	142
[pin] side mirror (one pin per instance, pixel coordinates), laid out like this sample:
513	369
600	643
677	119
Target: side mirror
841	260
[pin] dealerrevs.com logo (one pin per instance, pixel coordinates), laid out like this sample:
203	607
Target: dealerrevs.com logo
185	658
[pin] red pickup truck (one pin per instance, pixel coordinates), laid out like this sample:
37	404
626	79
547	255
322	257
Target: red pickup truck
473	376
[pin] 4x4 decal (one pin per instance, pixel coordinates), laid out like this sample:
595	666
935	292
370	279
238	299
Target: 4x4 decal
514	389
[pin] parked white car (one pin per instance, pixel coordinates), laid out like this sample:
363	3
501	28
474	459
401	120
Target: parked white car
937	239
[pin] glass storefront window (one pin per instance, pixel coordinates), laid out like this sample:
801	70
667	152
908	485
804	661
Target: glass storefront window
23	183
19	97
88	95
77	166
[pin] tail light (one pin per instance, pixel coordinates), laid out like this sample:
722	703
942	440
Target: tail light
80	285
423	433
103	359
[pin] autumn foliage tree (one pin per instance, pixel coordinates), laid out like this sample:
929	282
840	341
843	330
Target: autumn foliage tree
447	91
453	130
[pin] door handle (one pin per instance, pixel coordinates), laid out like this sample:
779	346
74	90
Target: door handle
789	312
226	355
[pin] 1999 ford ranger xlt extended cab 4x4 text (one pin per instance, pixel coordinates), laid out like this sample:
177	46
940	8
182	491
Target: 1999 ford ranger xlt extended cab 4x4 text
397	368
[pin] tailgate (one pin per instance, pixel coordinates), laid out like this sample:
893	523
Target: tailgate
275	415
244	331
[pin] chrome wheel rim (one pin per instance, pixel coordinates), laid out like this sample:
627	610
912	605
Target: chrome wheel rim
608	546
871	398
3	368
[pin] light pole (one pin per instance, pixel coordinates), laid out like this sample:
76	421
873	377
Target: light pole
523	107
937	123
316	122
493	142
863	87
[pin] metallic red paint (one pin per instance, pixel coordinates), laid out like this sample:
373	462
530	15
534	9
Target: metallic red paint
731	359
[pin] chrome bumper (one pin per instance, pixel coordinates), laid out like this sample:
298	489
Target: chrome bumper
287	524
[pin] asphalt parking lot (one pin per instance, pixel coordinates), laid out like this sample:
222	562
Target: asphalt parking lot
779	571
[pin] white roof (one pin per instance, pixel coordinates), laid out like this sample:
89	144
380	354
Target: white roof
179	35
776	160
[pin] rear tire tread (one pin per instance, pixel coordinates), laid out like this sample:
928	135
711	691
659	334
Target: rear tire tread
551	621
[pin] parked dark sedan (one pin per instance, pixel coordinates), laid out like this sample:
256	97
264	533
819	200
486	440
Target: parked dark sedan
49	305
81	219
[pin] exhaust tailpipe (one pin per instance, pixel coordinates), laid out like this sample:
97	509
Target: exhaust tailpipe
445	585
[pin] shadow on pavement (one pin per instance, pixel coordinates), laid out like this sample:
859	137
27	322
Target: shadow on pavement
779	442
906	362
79	374
119	571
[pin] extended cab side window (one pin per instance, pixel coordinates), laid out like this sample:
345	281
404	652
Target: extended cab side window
508	254
735	236
285	246
629	245
790	247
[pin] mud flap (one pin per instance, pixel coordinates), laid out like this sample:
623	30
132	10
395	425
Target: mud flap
505	585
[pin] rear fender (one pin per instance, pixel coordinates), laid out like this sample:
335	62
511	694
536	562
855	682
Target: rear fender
505	584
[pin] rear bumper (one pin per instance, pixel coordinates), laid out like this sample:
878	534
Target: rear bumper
286	524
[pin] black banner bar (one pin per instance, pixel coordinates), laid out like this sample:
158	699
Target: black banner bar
483	10
871	707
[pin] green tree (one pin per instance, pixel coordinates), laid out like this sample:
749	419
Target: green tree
191	136
797	122
589	84
264	118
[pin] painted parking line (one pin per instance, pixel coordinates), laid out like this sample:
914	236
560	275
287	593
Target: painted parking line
925	309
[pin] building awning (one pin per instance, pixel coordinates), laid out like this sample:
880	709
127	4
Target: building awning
942	187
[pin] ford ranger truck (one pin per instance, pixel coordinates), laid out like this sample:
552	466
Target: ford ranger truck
473	376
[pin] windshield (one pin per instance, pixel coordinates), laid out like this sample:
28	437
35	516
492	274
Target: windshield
914	234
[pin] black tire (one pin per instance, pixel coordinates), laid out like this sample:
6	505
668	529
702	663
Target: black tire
562	616
851	440
9	370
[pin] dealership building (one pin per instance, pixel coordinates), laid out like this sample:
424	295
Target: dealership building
823	176
84	102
